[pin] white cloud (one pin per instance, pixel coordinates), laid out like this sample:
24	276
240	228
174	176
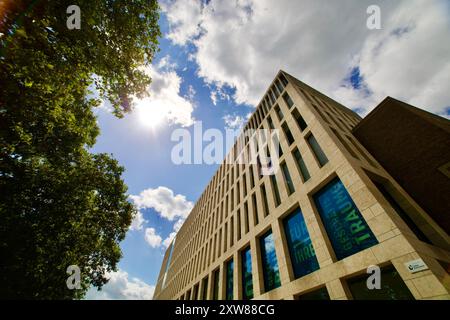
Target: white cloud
138	221
178	224
152	238
234	122
164	201
184	17
242	44
168	240
122	287
165	102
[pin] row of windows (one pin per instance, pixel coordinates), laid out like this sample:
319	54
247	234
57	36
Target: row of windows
235	196
348	233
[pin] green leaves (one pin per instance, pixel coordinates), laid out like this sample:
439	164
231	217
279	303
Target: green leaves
59	204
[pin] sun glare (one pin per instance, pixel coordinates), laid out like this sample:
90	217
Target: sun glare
151	113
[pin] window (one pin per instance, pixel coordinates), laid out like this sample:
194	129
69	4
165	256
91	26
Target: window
288	100
264	198
405	217
216	278
283	80
287	178
238	222
346	228
252	177
299	119
304	173
247	280
287	133
345	144
317	150
301	251
269	120
269	262
246	222
205	288
392	287
244	184
279	113
319	294
231	231
276	192
195	292
229	281
279	86
255	210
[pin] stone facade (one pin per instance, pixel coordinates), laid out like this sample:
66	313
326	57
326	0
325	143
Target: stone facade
218	230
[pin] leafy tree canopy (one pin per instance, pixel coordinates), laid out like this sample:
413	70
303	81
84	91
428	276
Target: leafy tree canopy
59	204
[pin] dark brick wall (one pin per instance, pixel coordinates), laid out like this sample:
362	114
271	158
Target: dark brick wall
411	145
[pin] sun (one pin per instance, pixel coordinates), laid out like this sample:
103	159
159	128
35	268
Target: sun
151	113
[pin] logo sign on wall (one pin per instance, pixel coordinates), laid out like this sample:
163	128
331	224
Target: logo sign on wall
416	265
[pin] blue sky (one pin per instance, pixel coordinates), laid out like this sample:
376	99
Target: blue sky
216	60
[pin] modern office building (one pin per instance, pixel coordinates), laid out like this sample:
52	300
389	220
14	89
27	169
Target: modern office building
316	227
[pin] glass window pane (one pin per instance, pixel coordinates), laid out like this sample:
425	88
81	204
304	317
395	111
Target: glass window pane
345	226
301	165
229	282
205	289
287	133
317	150
287	178
279	113
216	284
247	280
392	287
299	119
301	251
319	294
288	100
269	262
276	192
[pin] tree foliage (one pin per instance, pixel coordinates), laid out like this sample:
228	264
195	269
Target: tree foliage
59	204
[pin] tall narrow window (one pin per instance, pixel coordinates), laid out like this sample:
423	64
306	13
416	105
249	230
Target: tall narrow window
264	198
317	150
247	280
301	165
229	280
405	217
279	113
283	80
346	228
276	192
195	292
301	251
244	184
238	222
299	119
216	279
288	100
269	120
246	222
231	231
252	177
269	262
279	86
287	178
205	288
255	210
287	133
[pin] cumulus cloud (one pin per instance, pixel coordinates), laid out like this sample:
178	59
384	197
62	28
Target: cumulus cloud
138	221
164	201
122	287
152	238
241	45
234	121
